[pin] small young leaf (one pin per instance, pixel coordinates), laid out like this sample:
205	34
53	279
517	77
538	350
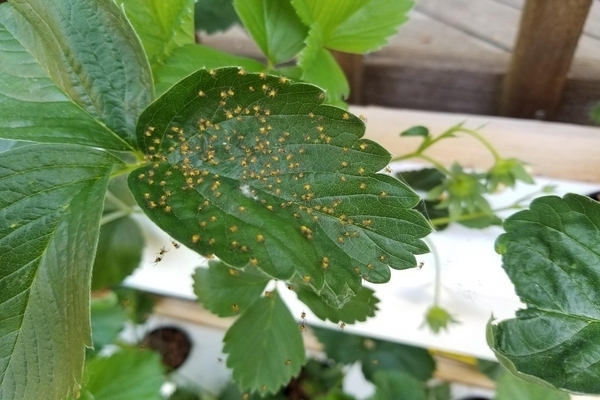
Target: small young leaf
127	374
509	387
227	291
265	346
162	26
256	170
68	39
212	16
119	252
393	385
274	26
35	107
51	205
354	26
551	253
416	131
359	308
376	354
595	114
190	58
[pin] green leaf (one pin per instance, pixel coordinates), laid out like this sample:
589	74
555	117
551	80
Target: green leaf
438	319
359	308
191	58
32	105
108	319
416	131
354	26
119	252
69	76
551	253
274	26
595	114
264	346
509	387
393	385
376	354
320	68
51	204
440	391
492	369
255	170
127	374
214	15
227	291
423	179
137	304
162	26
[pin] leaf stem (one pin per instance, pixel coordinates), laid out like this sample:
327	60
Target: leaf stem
126	170
114	216
437	287
482	140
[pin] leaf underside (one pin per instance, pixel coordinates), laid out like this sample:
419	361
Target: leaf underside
551	253
256	170
50	209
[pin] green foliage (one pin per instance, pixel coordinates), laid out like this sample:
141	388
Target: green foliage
188	59
274	26
127	374
506	172
211	16
35	104
162	26
376	355
51	209
226	291
552	256
509	387
39	37
595	114
247	167
119	252
416	131
354	26
438	319
108	319
393	385
359	308
265	346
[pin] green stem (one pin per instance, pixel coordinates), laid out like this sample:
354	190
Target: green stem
117	202
482	140
437	288
436	164
126	170
114	216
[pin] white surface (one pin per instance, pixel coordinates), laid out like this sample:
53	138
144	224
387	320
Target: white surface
474	284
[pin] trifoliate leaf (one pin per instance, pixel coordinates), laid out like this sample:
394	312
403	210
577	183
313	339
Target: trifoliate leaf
359	308
227	291
265	346
376	354
256	170
551	253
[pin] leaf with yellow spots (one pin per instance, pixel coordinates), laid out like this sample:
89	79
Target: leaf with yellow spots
256	170
226	291
265	346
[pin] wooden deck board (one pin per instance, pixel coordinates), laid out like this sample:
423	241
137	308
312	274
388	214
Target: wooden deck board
497	22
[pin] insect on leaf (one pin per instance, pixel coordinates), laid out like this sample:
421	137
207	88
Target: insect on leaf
255	170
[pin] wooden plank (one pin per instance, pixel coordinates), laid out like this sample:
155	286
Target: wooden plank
353	67
491	21
551	149
422	32
549	32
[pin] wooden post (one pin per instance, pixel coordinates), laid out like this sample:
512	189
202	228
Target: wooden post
548	36
353	67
